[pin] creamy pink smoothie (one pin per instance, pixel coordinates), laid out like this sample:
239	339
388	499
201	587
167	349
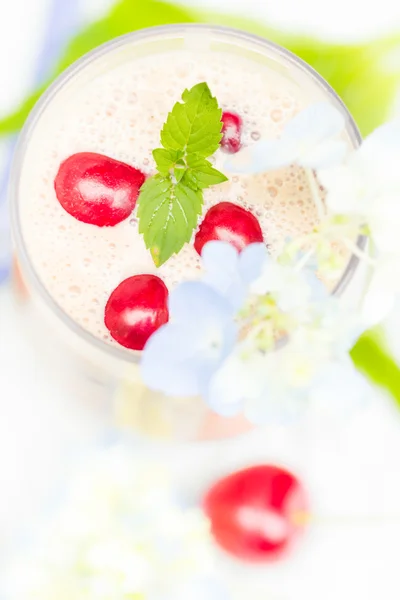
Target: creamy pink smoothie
119	110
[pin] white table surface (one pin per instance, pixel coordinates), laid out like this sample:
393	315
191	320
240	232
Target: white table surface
352	468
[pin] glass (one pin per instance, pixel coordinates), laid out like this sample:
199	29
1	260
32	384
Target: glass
107	377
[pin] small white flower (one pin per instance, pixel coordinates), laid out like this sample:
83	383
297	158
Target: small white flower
340	389
139	539
384	222
367	186
276	385
306	371
292	289
310	140
383	289
379	156
237	381
347	190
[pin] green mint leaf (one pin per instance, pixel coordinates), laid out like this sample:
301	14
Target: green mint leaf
189	180
167	214
202	173
171	201
166	159
179	172
195	126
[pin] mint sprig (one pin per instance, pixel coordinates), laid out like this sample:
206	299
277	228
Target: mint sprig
171	201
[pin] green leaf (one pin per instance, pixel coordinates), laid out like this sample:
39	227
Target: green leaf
179	172
202	173
170	202
373	359
166	160
167	214
194	126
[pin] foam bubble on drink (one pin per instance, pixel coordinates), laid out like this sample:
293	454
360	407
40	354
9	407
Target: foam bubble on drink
120	113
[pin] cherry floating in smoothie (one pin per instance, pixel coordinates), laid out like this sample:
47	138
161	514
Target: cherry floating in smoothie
257	514
97	189
136	309
231	132
227	222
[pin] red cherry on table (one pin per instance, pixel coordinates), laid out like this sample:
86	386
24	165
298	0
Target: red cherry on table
256	514
230	223
136	309
97	189
231	132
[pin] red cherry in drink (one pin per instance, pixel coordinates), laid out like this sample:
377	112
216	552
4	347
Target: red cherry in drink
230	223
231	132
136	309
97	189
256	514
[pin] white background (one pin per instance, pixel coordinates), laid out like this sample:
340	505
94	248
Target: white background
352	469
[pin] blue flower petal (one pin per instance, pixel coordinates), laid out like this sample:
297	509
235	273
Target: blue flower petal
260	157
194	301
219	256
213	347
180	358
252	261
318	122
165	365
220	261
180	362
221	394
220	403
324	155
4	273
231	273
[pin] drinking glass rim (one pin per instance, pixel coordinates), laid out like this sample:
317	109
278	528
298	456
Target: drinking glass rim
78	66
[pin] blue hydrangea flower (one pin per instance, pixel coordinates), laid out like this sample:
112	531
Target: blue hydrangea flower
180	358
278	386
198	352
230	272
293	290
252	385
